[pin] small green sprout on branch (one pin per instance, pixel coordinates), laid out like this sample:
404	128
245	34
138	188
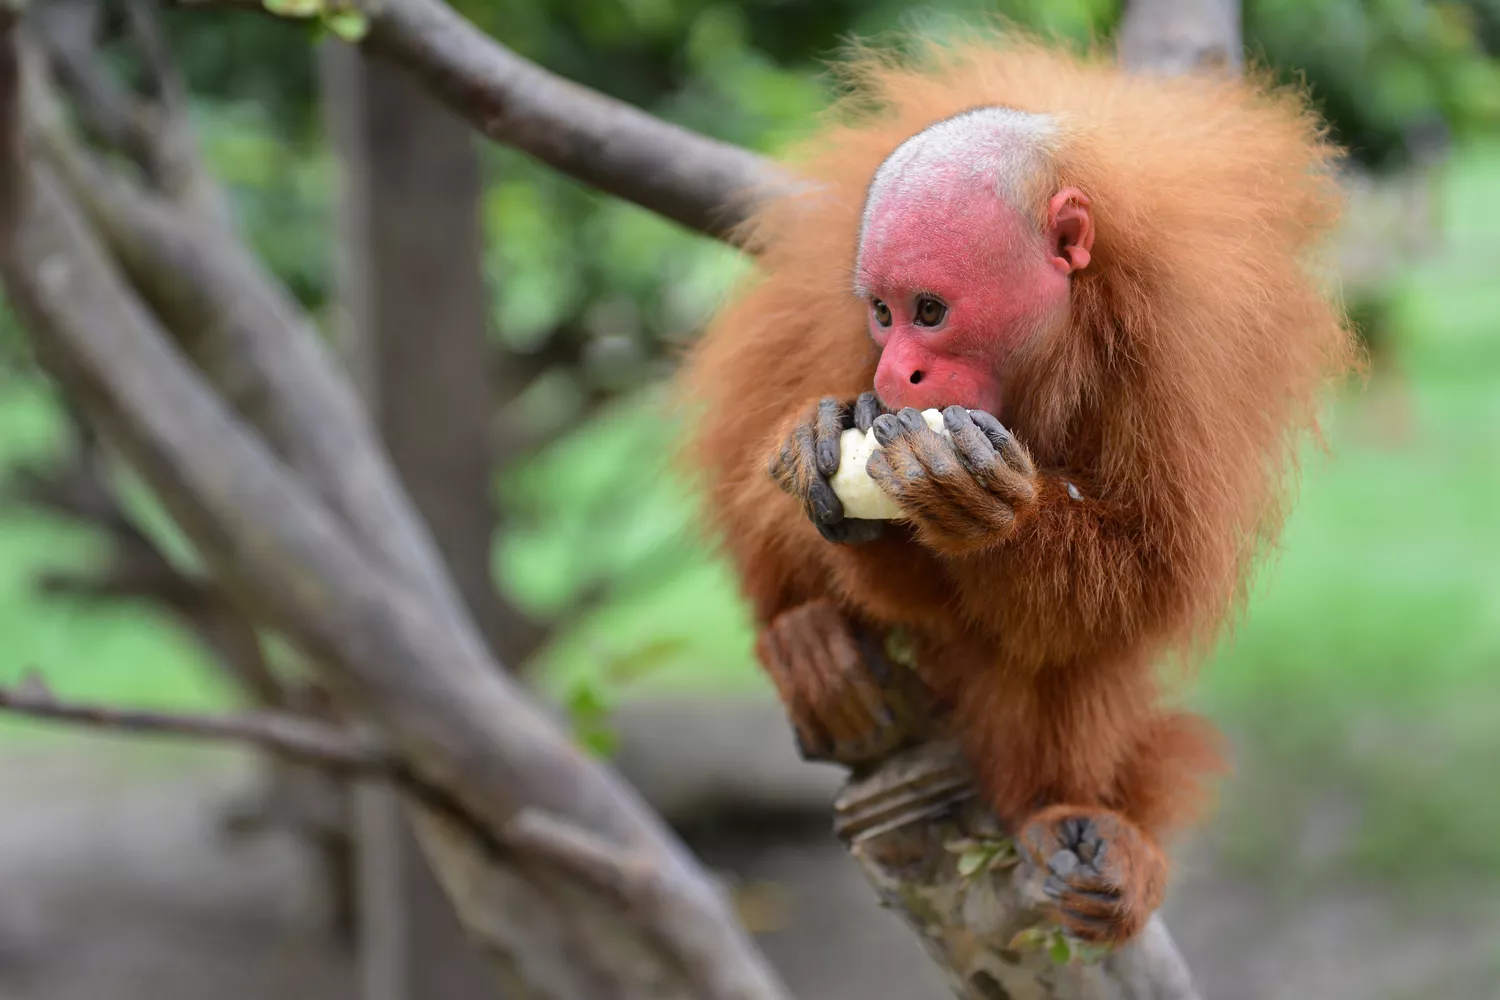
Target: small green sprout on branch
1061	948
342	18
977	857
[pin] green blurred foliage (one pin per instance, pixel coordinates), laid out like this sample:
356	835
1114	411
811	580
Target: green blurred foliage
1391	75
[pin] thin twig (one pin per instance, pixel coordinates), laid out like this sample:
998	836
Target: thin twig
112	115
12	130
155	134
289	736
165	81
627	879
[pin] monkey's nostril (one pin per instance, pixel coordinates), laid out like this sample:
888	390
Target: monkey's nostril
916	377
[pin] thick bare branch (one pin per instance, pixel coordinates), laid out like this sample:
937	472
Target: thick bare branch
704	184
394	645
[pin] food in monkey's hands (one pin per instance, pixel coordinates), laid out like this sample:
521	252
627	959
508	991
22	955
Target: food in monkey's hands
861	497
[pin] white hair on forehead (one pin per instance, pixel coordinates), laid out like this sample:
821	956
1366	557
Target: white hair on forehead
1003	147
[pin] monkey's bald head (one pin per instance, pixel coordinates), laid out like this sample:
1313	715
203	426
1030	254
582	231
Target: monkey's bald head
965	252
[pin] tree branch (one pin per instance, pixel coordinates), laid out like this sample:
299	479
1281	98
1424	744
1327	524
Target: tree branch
702	183
628	878
367	599
155	134
289	736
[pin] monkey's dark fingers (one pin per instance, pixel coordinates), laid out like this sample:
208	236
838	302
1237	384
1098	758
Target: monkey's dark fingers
974	447
795	469
851	531
828	426
918	469
992	455
896	471
1005	443
936	457
905	423
866	408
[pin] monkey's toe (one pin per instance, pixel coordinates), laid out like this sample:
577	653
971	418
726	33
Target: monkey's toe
1105	875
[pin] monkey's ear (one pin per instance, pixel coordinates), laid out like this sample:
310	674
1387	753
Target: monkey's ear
1070	230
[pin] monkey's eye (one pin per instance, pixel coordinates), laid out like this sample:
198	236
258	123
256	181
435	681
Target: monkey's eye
882	312
930	311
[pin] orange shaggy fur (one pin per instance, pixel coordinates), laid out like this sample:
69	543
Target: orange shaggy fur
1198	344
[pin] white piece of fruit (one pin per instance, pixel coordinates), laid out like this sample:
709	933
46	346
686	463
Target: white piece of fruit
859	494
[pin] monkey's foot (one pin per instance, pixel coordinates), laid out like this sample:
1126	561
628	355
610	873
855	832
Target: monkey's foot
846	700
1105	875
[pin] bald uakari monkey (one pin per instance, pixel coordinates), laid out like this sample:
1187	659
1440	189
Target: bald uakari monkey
1102	282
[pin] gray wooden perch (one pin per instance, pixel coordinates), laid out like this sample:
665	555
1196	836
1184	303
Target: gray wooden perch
936	857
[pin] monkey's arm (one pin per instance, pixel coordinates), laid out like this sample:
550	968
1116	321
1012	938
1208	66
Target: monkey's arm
1038	557
1078	576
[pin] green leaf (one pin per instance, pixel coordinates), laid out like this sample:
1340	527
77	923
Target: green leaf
589	707
1029	939
970	864
1060	950
293	8
599	740
349	24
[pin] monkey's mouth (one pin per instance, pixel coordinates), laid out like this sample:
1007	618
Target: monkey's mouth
925	395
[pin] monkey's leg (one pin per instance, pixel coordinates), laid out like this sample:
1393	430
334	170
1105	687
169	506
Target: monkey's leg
1106	871
846	700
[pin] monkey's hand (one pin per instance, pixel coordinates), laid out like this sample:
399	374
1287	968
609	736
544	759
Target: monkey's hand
961	495
1105	875
809	455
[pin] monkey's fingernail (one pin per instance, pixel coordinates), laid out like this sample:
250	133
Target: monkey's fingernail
828	457
826	505
886	429
911	418
955	417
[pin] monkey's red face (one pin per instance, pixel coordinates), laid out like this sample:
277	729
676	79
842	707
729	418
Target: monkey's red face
957	283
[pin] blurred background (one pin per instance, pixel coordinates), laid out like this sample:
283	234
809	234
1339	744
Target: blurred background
1355	851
